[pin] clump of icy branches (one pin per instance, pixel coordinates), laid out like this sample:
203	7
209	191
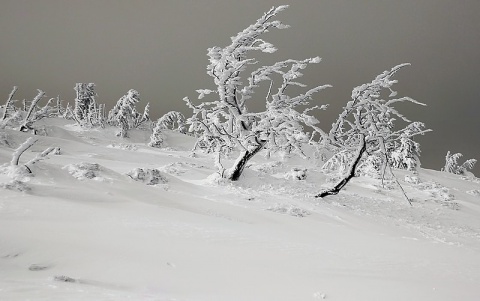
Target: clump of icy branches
15	169
172	120
225	123
452	165
24	117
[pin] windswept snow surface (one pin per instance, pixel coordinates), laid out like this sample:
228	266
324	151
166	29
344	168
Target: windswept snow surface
80	228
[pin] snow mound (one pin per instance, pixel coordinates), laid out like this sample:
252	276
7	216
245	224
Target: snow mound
148	176
289	209
85	170
296	174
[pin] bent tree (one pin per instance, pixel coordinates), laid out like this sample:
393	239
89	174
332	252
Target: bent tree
224	124
366	127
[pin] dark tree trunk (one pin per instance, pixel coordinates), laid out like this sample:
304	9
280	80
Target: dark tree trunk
351	173
236	170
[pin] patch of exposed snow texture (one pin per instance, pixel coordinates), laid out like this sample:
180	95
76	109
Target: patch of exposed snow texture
78	228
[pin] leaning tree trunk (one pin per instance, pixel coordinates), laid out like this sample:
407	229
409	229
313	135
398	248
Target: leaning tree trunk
351	172
234	173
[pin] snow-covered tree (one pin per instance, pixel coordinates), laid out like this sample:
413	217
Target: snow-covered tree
366	126
452	165
87	112
404	152
226	124
157	139
172	120
84	101
125	115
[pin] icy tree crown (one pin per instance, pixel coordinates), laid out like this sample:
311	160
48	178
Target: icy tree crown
225	123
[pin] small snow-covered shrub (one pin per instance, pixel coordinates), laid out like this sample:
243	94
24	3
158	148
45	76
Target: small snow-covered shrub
451	164
172	120
296	174
439	194
289	209
157	139
84	170
148	176
404	153
436	190
125	115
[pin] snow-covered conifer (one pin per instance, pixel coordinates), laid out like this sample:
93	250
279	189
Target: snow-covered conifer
124	114
404	153
157	138
226	123
85	99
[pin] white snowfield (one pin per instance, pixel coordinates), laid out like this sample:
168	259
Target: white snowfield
80	228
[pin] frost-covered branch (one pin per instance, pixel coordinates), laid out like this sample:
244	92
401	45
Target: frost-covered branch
9	103
21	149
29	119
43	155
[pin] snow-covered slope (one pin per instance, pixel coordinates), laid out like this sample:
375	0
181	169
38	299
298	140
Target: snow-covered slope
84	229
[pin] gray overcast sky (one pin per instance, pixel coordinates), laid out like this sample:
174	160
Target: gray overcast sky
159	48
